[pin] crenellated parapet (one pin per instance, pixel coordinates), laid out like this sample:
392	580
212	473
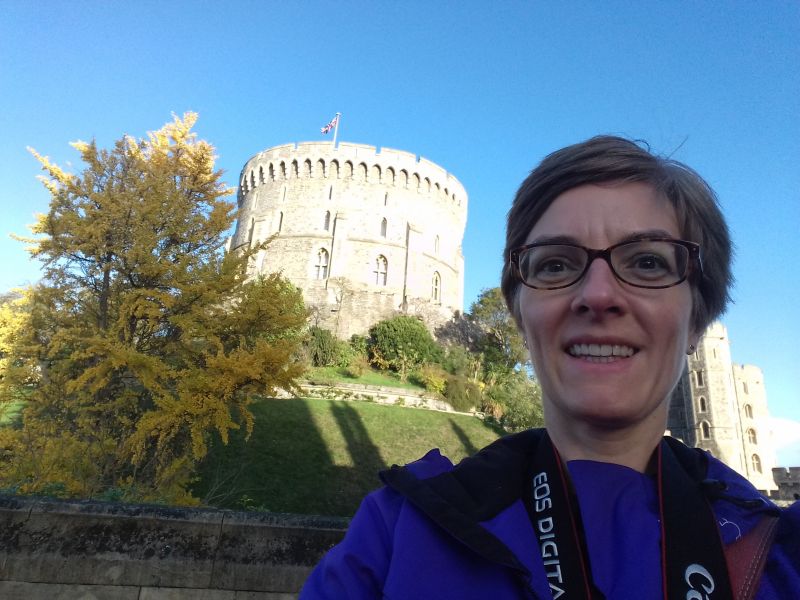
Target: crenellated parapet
365	232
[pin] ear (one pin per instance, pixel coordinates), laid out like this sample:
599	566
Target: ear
693	341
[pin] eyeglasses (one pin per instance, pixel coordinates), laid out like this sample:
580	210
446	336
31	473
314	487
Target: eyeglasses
648	263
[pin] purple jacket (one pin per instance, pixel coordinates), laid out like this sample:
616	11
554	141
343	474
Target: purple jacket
436	531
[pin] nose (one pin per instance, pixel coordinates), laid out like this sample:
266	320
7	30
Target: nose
599	292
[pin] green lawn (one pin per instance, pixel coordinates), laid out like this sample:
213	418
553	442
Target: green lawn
321	456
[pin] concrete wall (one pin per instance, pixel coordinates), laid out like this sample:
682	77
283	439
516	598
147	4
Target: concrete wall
83	550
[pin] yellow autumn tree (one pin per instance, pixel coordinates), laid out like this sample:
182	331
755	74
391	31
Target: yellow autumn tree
144	337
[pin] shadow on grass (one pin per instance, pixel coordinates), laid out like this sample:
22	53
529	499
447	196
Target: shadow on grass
466	443
286	465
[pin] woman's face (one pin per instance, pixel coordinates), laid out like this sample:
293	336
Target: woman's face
648	330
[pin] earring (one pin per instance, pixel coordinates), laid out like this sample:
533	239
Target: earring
691	349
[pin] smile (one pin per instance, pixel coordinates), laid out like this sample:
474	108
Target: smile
601	353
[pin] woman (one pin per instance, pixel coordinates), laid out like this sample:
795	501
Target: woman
616	261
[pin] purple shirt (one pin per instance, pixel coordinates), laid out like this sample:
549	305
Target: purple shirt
619	509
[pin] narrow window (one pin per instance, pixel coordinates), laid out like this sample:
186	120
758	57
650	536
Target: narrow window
260	175
271	172
250	233
383	228
280	221
702	404
330	192
322	264
748	411
327	222
252	179
436	287
756	461
705	430
307	168
751	436
386	199
698	375
744	387
381	267
436	245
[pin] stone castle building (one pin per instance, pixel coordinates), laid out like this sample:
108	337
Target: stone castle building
721	407
365	233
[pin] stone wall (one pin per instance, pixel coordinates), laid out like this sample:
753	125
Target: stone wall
86	550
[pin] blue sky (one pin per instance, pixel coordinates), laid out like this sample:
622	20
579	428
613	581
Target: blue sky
484	89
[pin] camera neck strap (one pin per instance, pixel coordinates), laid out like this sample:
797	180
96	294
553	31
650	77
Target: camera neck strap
693	565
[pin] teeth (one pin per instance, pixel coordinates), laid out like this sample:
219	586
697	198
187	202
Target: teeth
601	350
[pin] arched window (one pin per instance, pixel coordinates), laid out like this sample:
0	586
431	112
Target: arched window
327	222
390	176
348	170
271	172
322	264
702	405
320	168
362	171
415	182
333	170
381	268
751	436
294	170
436	245
436	287
283	170
260	175
756	462
307	168
252	179
384	225
705	430
748	411
744	387
280	221
375	173
404	178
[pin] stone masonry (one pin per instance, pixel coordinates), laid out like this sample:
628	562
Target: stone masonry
366	234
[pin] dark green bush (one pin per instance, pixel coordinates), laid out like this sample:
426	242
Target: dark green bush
322	347
401	344
461	393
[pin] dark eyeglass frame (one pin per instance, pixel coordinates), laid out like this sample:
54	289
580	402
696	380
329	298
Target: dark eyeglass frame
693	264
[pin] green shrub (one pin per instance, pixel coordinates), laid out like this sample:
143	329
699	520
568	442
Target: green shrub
322	347
516	403
461	393
401	344
432	377
356	367
359	344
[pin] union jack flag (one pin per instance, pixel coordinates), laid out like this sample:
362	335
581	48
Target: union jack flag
334	122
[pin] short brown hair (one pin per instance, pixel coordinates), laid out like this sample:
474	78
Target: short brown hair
608	159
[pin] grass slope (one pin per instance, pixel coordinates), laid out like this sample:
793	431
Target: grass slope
321	457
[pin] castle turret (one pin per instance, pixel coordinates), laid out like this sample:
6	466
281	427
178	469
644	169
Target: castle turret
365	233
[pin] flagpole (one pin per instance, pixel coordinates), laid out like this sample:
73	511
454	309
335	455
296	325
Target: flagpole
336	128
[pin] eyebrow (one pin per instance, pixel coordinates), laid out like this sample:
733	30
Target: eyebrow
646	234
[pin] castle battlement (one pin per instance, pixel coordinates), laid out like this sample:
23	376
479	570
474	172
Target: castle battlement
377	166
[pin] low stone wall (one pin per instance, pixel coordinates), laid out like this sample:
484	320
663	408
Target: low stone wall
375	393
85	550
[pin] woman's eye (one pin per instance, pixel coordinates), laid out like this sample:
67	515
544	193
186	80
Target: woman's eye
650	263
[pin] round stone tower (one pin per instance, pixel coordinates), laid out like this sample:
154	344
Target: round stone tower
366	234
